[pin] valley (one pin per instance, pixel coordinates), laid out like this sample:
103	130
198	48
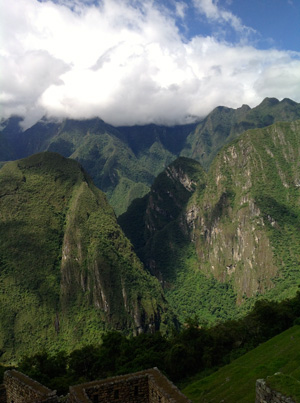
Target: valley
146	228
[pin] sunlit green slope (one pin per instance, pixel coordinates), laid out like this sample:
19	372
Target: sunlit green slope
236	382
67	272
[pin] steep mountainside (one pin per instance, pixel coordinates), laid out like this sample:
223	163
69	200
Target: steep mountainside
124	161
238	237
247	225
152	221
67	272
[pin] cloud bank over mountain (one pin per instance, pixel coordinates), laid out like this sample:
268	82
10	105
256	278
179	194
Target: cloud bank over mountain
129	62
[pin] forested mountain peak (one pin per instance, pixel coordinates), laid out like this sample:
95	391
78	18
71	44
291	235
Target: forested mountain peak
67	271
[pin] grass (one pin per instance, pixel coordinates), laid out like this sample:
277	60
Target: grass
236	382
286	385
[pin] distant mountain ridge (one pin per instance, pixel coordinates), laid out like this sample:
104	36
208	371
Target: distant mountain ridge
224	124
124	161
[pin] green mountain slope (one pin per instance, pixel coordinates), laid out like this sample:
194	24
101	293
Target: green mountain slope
236	382
152	221
237	237
67	272
246	230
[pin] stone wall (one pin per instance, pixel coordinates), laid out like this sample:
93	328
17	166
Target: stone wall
22	389
148	386
161	390
266	395
131	390
2	394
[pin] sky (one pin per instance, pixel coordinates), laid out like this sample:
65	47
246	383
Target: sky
145	61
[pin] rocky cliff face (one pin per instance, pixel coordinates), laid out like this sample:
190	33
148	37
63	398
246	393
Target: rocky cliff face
237	235
152	222
249	214
67	271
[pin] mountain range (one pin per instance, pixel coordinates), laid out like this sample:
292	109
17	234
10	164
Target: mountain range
211	210
124	161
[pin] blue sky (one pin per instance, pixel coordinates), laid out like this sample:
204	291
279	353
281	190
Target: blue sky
136	62
275	23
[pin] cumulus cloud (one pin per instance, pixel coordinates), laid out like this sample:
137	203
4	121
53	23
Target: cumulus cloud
126	62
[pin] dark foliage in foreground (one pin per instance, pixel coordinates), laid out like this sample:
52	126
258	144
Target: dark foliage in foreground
180	355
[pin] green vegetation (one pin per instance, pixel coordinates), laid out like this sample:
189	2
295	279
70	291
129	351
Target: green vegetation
124	161
285	384
191	294
67	272
114	168
234	236
182	354
154	226
249	235
217	240
223	125
152	223
236	382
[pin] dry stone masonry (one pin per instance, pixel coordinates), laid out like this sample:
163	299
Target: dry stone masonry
148	386
22	389
266	395
2	394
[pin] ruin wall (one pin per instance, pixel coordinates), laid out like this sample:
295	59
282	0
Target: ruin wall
264	394
148	386
22	389
2	394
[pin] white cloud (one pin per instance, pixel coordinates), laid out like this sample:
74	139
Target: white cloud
127	63
209	8
180	8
